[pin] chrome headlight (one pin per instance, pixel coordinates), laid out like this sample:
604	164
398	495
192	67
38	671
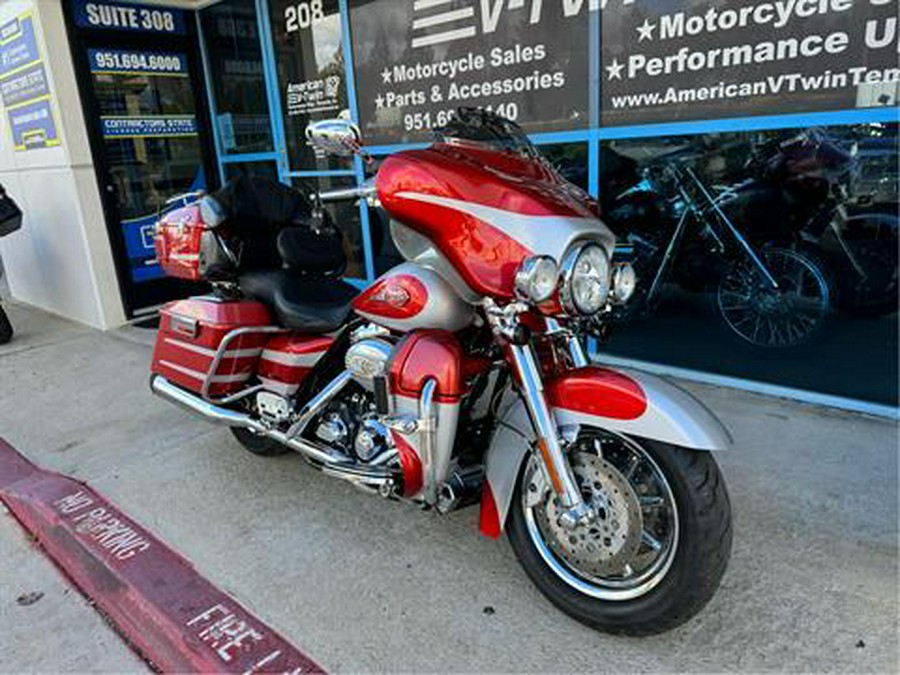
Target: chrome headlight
585	279
624	283
536	279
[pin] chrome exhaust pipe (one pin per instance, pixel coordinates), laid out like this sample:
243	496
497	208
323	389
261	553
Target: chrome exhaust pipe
192	403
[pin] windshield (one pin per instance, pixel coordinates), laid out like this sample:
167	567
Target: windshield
475	125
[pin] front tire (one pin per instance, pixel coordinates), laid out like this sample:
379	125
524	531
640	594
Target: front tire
657	554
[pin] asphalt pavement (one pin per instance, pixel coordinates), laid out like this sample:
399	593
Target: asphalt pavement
362	584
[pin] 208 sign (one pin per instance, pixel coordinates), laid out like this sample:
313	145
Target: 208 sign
303	15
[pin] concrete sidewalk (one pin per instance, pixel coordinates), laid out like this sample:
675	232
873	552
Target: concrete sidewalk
366	585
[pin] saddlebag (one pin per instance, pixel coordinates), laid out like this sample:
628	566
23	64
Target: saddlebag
194	333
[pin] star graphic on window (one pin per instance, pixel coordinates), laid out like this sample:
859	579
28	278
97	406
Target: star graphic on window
379	102
645	30
386	76
615	70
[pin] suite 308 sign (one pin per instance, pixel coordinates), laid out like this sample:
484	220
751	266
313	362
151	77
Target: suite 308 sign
699	59
418	60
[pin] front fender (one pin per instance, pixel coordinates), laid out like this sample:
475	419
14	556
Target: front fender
625	401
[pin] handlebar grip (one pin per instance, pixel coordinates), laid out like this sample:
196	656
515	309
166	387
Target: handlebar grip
347	194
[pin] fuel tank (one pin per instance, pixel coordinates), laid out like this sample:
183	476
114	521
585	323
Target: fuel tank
411	297
486	210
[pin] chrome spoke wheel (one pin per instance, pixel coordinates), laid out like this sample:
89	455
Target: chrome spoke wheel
629	547
765	316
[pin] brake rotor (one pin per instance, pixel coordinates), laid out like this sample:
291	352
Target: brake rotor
605	547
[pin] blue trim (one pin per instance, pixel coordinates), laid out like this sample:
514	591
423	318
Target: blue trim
547	138
361	284
594	165
320	174
273	94
211	98
268	156
398	147
842	117
358	167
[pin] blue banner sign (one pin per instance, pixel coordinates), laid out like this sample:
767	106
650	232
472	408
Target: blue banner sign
121	61
149	127
139	245
18	46
24	86
32	125
128	17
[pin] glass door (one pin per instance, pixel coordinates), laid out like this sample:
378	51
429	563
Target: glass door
148	122
144	101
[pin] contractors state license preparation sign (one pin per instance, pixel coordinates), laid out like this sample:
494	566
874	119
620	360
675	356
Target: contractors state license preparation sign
697	59
418	60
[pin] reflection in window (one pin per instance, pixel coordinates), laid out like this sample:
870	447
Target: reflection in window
310	74
571	160
345	216
263	169
818	210
232	44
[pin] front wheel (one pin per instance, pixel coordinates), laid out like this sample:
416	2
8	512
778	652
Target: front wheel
786	317
659	545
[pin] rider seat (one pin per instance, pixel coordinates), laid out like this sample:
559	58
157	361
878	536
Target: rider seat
308	304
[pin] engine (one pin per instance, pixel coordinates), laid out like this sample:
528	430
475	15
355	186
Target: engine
351	423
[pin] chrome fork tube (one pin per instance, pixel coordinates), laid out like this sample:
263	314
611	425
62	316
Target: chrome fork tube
576	511
573	343
427	431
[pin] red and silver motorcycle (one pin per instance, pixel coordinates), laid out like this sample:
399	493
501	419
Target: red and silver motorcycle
459	377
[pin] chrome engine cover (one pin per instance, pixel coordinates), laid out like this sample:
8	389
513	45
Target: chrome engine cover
368	359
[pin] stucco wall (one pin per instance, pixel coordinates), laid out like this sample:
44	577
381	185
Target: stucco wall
61	259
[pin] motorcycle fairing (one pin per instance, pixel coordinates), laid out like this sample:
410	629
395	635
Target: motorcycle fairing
486	211
624	401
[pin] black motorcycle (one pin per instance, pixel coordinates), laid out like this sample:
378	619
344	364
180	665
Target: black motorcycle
778	249
10	221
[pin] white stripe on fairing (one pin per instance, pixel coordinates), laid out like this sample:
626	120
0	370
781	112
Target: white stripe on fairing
185	256
229	354
542	235
293	360
197	375
279	387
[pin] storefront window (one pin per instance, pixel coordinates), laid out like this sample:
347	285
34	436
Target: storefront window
265	169
233	50
571	160
346	216
784	263
416	62
310	63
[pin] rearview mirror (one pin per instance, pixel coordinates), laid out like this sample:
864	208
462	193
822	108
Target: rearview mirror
338	137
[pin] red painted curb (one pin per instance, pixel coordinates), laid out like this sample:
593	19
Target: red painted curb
173	617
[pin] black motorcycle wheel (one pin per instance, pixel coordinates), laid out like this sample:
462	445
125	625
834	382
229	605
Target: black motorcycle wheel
258	444
658	549
789	316
6	329
877	293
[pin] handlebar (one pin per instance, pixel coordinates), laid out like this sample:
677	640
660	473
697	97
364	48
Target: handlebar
367	192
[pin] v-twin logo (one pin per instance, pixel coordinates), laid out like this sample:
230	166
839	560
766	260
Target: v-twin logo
460	21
